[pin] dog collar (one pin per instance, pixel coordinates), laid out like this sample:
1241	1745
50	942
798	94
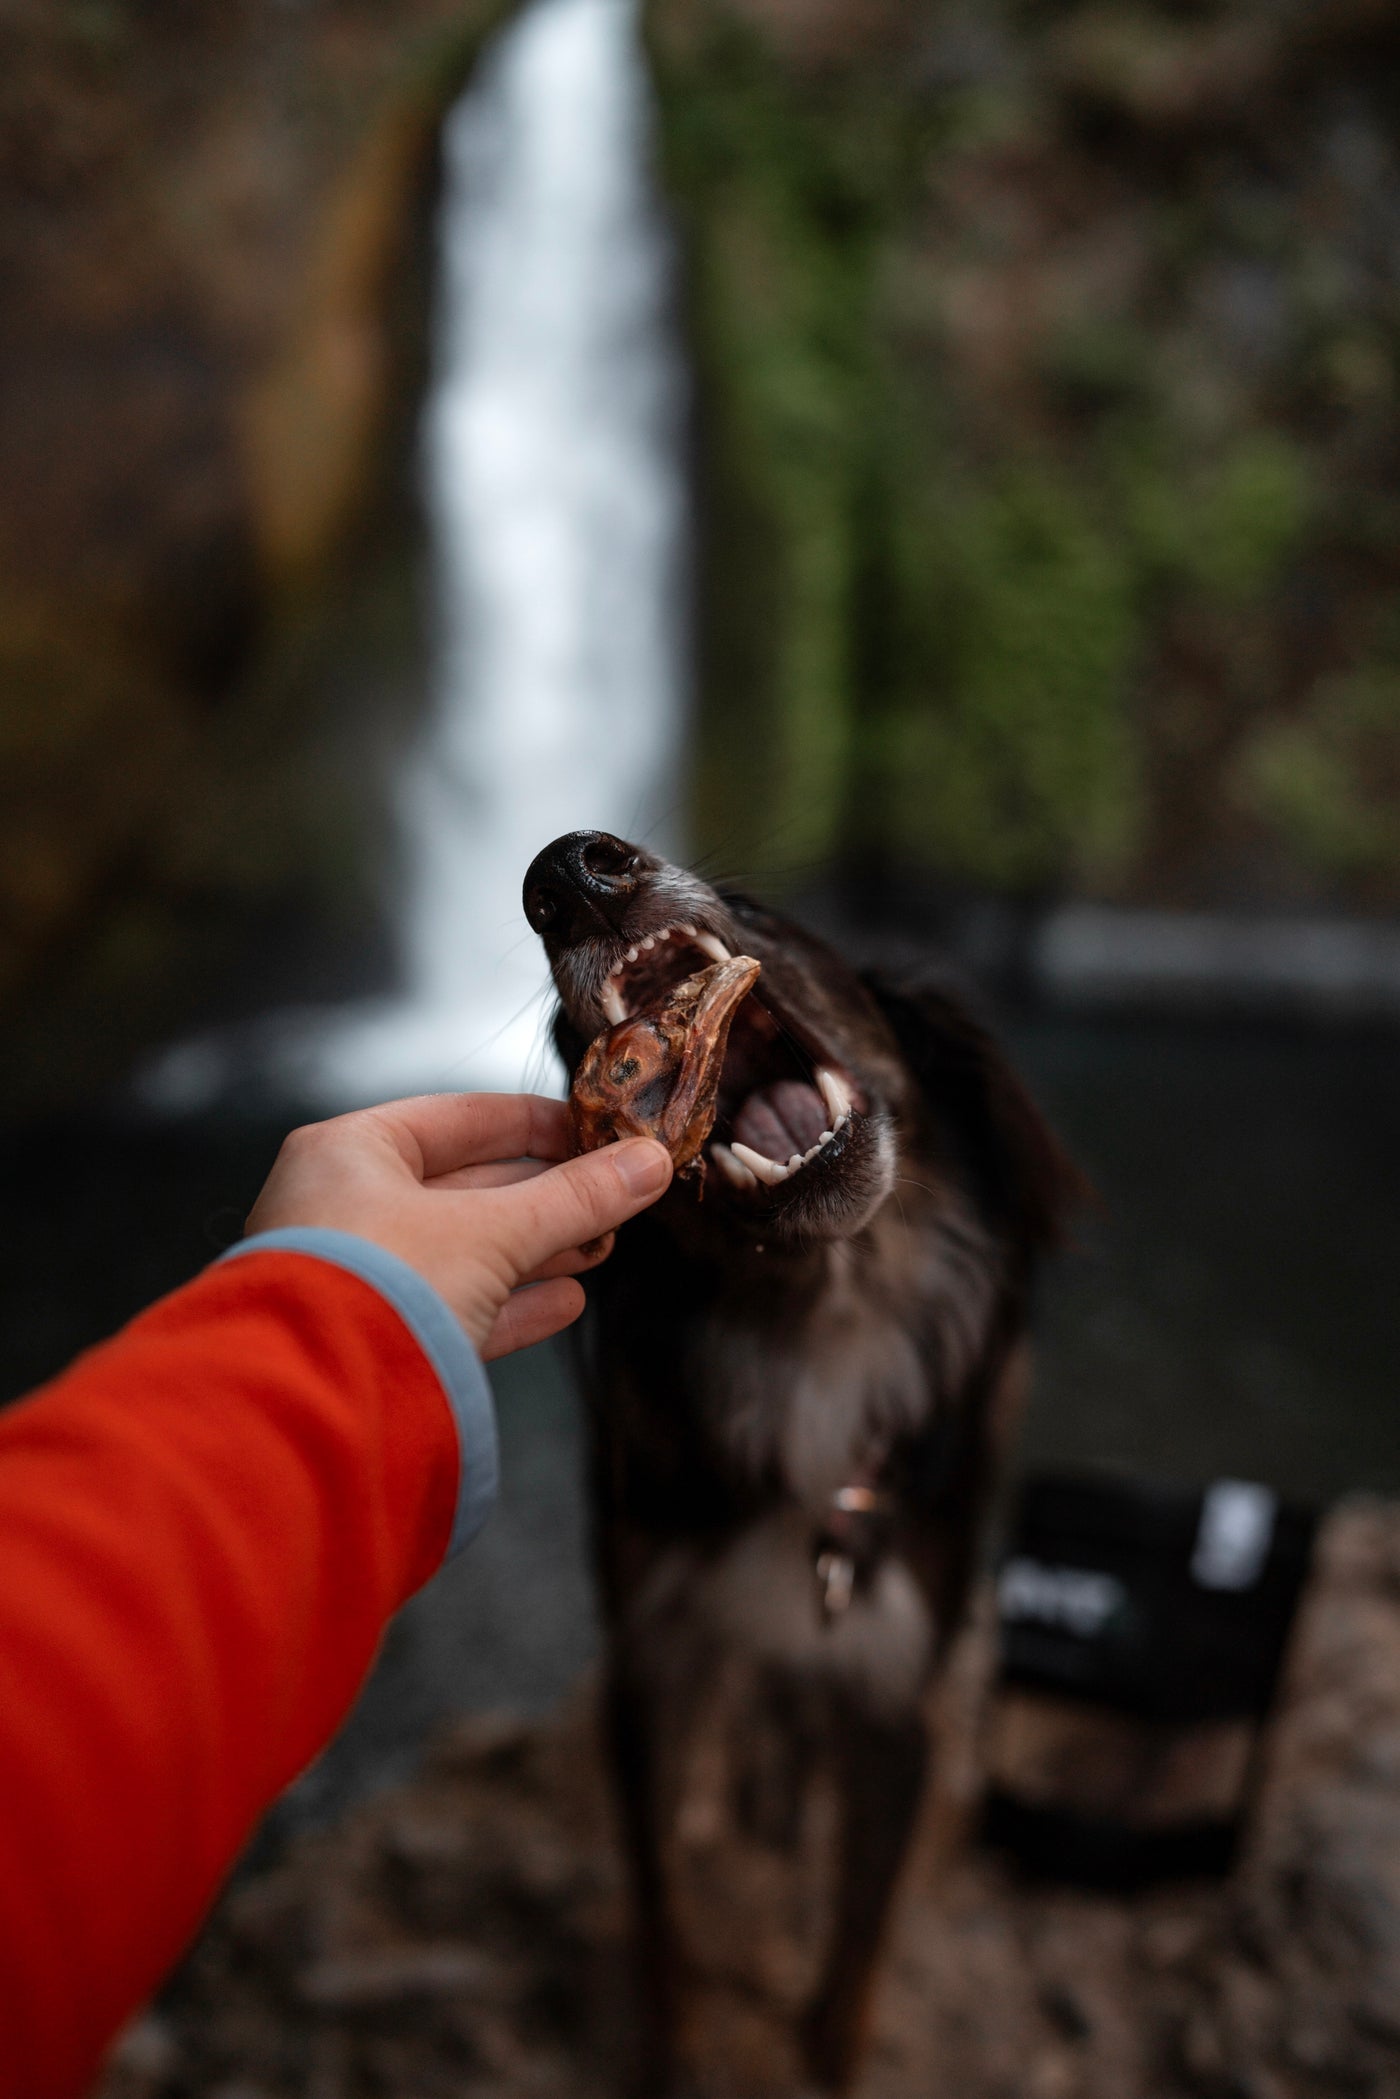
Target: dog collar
854	1536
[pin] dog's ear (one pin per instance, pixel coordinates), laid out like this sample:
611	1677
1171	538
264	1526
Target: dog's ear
1019	1170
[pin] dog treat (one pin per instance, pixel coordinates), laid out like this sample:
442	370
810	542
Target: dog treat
656	1074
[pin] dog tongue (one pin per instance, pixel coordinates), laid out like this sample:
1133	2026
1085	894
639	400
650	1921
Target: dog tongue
781	1119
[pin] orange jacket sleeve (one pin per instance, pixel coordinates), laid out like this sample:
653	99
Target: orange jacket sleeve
204	1525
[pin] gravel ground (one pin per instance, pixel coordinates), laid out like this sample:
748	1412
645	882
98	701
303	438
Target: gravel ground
464	1934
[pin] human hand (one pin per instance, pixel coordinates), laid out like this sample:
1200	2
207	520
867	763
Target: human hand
465	1188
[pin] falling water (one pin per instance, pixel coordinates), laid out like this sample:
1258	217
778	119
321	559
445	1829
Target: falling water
552	482
550	443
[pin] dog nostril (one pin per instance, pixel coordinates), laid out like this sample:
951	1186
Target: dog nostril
541	909
579	883
608	858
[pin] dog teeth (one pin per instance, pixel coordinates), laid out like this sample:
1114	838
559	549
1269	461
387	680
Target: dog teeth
610	997
768	1170
771	1171
836	1095
733	1169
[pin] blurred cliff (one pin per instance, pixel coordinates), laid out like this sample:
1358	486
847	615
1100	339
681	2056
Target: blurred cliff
1049	441
212	224
1046	448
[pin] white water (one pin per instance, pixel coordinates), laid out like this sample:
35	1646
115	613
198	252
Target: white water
553	484
552	481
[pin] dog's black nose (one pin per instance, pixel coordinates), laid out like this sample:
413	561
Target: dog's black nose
579	883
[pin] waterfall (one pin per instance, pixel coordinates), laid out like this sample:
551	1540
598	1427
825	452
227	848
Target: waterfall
553	486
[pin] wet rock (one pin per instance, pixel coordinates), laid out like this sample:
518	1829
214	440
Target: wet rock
211	229
1069	328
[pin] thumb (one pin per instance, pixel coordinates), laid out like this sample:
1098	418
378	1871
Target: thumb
579	1200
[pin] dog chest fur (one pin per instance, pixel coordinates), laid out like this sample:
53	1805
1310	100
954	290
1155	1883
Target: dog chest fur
804	1385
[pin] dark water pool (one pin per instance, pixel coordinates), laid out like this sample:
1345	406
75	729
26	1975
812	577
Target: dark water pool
1233	1307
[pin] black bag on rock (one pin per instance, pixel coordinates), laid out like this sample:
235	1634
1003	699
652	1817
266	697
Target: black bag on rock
1142	1628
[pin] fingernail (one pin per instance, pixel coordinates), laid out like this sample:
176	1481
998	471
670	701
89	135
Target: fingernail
645	1167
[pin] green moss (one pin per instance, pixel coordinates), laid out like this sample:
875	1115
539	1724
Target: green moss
1092	363
1328	781
1227	525
899	659
783	195
1011	762
1016	470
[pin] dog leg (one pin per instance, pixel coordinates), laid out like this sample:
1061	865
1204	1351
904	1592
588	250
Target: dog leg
880	1777
634	1745
784	1728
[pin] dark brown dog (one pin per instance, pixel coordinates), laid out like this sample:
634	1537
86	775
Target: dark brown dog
798	1389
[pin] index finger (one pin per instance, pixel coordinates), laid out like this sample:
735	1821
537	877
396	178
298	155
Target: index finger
439	1132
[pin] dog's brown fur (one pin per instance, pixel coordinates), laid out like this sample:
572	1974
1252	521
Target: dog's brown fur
751	1356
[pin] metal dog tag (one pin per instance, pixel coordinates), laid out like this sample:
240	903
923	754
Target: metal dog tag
836	1571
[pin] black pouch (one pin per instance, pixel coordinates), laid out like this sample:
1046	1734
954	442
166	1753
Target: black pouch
1142	1631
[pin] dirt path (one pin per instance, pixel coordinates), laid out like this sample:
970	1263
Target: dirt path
464	1935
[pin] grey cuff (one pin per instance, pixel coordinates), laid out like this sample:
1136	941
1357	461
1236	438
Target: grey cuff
438	1334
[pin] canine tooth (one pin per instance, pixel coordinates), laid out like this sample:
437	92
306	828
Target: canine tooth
708	945
835	1093
763	1169
733	1169
611	1001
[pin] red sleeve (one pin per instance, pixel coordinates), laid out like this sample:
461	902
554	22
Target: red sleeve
204	1525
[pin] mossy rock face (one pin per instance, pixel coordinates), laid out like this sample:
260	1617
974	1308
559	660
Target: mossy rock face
213	222
1048	371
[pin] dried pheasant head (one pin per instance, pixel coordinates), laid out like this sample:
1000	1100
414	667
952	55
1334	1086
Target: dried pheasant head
656	1074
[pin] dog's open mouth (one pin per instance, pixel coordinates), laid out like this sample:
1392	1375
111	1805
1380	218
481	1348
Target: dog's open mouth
783	1106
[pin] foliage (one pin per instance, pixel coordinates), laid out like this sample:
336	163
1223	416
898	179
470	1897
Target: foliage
1329	779
1009	759
1045	389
